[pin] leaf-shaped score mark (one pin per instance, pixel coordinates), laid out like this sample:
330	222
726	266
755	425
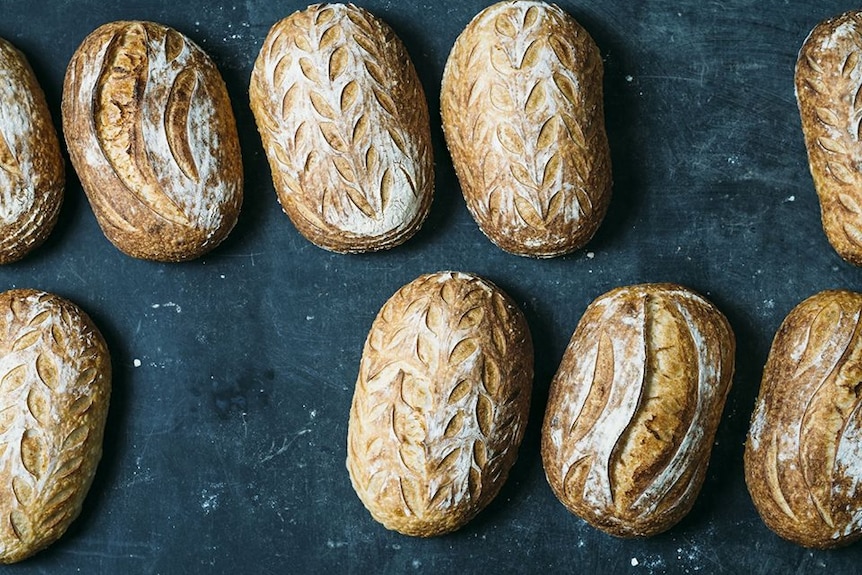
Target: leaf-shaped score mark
527	212
471	318
358	199
504	26
28	339
344	169
37	405
533	54
330	37
531	16
536	100
831	145
13	379
484	415
501	98
386	102
500	61
553	169
827	116
460	391
491	377
435	319
321	106
375	71
309	70
547	134
509	139
563	51
46	368
349	96
841	173
455	425
338	62
333	137
522	176
22	490
567	88
387	184
426	351
462	351
33	453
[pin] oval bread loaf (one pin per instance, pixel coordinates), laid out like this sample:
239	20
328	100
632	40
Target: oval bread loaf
523	117
151	133
441	403
32	174
803	457
634	407
829	94
345	125
55	383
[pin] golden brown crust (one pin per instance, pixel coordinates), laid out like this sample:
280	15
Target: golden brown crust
55	384
523	117
829	94
32	174
634	407
803	456
152	136
441	403
345	125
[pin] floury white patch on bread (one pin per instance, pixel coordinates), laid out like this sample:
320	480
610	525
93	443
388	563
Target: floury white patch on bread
345	125
634	407
32	175
523	116
55	384
441	403
152	136
803	457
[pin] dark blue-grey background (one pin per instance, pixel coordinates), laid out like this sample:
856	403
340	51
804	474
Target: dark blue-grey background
225	445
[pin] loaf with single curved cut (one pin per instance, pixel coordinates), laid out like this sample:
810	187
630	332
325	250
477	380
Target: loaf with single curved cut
829	94
634	408
32	174
441	403
345	125
803	456
55	385
151	133
523	117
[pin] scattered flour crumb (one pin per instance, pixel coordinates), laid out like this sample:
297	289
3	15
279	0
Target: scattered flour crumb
634	561
136	362
591	255
309	317
629	78
790	199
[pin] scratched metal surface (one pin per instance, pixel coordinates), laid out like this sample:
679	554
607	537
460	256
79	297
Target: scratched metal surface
233	374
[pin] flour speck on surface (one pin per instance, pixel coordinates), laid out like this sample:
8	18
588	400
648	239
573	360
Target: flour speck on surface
634	561
136	362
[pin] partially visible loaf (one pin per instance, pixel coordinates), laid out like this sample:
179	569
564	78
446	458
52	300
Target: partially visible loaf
55	385
803	456
32	174
829	94
345	126
634	408
151	133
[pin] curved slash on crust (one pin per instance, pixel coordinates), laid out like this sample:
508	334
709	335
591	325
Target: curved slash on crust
177	121
120	87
